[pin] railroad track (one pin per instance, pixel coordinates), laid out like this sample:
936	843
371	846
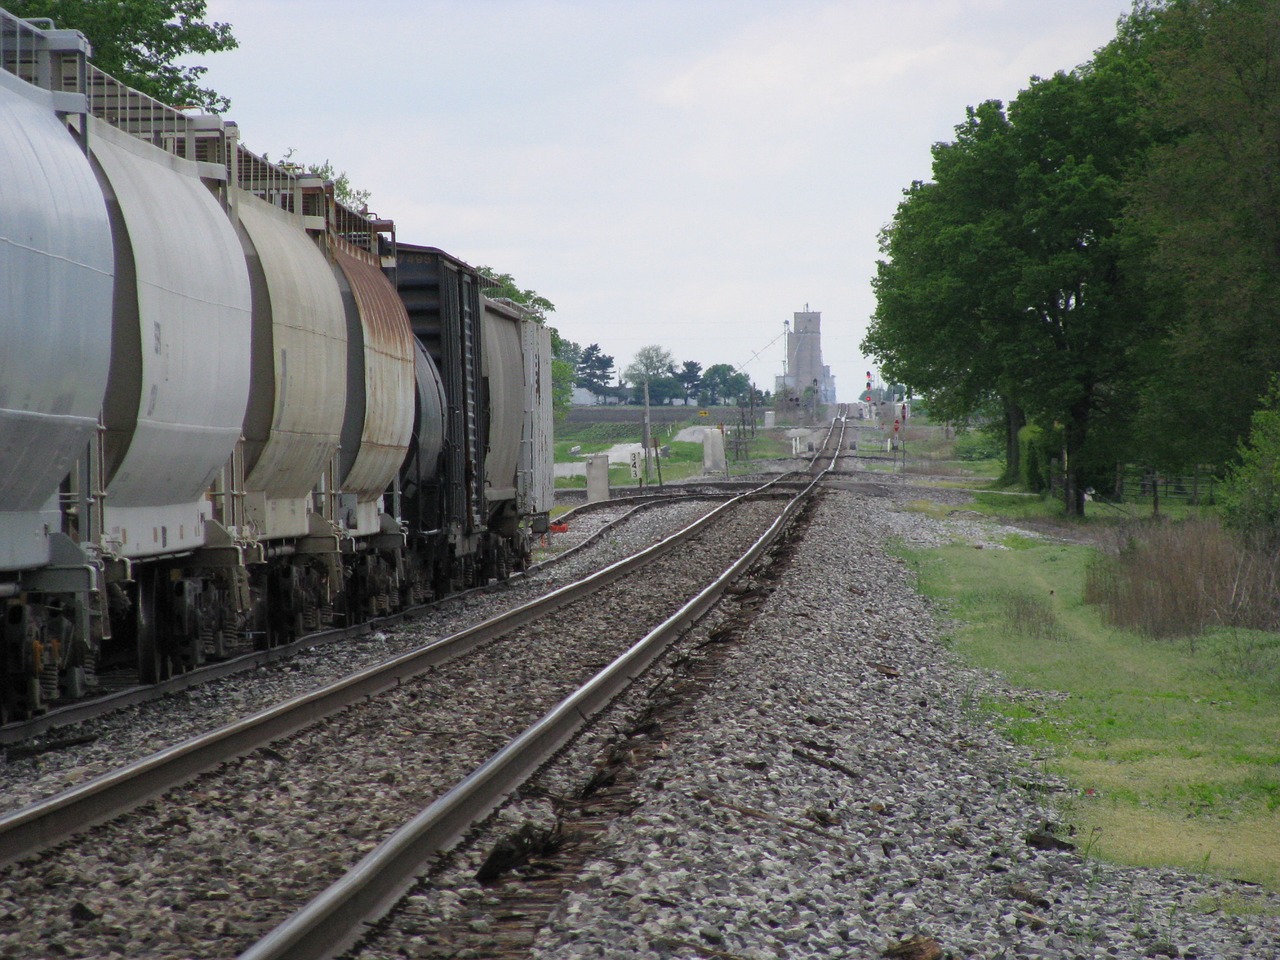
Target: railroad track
332	921
569	806
121	688
210	807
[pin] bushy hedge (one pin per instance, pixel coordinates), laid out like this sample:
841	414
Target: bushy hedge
979	445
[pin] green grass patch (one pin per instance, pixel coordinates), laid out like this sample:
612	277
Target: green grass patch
1171	744
602	435
930	508
1013	505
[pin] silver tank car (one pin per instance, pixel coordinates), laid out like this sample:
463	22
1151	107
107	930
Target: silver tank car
56	271
517	370
294	419
232	410
180	346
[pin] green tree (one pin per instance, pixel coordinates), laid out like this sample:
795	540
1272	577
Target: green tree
354	198
1074	349
665	390
1005	276
504	286
138	42
1207	207
569	352
594	370
561	374
690	376
1251	498
650	364
722	383
944	292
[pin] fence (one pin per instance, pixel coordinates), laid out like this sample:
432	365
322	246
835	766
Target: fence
1138	484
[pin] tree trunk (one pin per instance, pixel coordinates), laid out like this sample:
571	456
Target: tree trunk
1073	491
1072	473
1014	420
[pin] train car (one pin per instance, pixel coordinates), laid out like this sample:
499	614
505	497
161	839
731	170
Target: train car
517	386
442	297
231	411
487	365
56	274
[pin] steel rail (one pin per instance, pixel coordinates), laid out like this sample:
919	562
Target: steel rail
645	503
40	825
673	490
835	456
334	920
134	694
831	429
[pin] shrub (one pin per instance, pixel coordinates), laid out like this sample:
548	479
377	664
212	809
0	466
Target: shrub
1251	494
1033	616
1176	580
979	445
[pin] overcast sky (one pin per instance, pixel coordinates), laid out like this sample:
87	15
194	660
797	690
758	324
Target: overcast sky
687	173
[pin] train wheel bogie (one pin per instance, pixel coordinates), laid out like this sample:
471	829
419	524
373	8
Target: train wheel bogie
45	656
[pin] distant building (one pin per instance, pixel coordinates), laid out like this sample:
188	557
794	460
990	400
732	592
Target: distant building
804	360
582	397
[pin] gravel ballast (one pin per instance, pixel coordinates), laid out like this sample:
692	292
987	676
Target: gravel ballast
833	792
836	793
752	849
214	864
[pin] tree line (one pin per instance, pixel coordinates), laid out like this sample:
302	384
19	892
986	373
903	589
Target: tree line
591	368
655	367
1096	265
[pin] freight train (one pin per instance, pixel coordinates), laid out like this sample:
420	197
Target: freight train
233	410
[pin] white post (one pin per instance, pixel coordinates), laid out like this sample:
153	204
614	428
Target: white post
647	442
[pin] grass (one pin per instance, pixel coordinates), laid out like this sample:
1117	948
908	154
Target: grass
576	440
1172	746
